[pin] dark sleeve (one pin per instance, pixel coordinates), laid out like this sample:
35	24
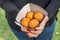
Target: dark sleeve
52	8
8	5
1	2
11	11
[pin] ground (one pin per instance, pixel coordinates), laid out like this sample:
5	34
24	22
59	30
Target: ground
7	34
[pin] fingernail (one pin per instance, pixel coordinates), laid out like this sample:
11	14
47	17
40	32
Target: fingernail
35	30
27	32
28	29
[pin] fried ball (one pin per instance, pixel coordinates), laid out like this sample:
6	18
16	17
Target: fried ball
33	23
30	15
38	16
25	22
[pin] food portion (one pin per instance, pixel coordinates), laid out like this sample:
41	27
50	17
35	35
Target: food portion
30	15
33	23
38	16
25	22
32	19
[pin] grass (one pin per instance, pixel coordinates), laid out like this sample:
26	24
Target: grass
7	34
56	35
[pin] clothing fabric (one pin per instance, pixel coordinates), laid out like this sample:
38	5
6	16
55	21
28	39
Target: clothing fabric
12	7
45	35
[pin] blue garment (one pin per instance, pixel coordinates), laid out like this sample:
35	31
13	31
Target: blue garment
45	35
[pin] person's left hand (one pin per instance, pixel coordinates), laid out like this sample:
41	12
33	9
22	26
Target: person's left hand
38	30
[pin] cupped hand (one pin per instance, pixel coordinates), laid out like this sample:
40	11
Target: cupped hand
38	30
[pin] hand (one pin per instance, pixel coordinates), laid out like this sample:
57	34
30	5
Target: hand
24	29
38	30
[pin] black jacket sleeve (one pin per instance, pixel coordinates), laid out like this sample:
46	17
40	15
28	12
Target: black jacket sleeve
12	11
8	5
52	8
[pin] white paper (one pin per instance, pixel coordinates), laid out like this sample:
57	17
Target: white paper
28	7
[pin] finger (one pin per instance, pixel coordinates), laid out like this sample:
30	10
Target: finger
40	27
31	35
46	18
37	28
35	32
23	29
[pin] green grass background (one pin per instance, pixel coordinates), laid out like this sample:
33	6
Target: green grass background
7	34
